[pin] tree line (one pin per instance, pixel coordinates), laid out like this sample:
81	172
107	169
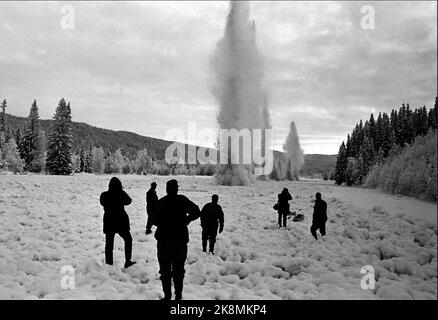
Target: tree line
28	149
379	141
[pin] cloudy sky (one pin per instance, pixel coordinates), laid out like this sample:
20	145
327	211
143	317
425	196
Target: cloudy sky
144	66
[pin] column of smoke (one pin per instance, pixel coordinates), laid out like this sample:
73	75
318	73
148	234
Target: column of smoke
238	70
287	167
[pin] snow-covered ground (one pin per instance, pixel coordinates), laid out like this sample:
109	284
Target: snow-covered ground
367	199
48	222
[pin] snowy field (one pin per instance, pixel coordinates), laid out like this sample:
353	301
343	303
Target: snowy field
48	222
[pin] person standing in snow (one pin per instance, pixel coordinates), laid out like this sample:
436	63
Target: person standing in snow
116	220
151	202
212	217
172	215
319	216
283	207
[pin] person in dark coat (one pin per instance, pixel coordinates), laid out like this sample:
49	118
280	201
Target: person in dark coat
172	215
212	218
151	202
116	220
283	207
319	216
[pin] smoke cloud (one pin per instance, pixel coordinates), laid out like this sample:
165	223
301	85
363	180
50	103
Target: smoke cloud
287	166
238	71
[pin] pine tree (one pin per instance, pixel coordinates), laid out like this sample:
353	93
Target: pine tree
378	133
39	162
432	116
360	175
82	161
30	146
367	153
353	141
348	147
372	128
98	160
2	144
393	122
423	121
88	163
386	138
356	139
17	136
12	157
350	171
3	117
408	126
380	157
398	127
341	164
59	159
360	136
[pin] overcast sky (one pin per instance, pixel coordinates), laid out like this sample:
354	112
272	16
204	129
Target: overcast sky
144	66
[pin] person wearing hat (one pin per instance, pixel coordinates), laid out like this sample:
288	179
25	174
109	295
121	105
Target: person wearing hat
116	220
151	202
172	215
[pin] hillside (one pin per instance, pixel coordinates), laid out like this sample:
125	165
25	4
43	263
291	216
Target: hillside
319	163
85	135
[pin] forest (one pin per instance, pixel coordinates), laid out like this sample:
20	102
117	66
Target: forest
395	153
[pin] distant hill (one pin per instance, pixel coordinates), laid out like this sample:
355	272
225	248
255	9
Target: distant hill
319	164
85	135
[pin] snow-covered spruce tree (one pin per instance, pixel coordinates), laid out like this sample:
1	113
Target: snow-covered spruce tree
81	161
88	162
341	164
17	136
3	117
59	159
98	160
30	144
350	171
432	117
2	141
39	162
367	152
75	163
386	135
12	158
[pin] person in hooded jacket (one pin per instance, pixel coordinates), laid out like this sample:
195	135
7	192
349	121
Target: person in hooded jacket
283	207
116	220
212	218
